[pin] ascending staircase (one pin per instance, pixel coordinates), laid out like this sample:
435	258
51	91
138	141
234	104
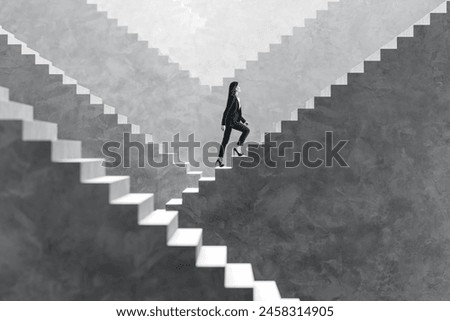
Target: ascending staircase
377	230
370	63
316	55
80	238
130	78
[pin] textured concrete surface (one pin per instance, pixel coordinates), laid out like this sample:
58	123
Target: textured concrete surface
114	65
318	55
212	38
378	230
78	119
60	240
159	99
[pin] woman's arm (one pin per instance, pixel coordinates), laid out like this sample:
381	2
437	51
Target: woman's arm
229	110
242	119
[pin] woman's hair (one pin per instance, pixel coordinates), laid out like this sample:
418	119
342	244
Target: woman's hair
232	88
231	93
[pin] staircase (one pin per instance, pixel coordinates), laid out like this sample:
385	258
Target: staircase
316	55
389	50
165	24
152	91
249	25
83	116
153	12
90	228
374	231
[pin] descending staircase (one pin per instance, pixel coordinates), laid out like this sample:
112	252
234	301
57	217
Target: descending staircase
171	9
133	76
38	150
346	233
150	21
85	117
115	64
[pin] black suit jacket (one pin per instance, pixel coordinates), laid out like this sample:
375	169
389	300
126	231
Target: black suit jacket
232	114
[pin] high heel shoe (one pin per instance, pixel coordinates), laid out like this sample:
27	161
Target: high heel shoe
219	162
237	152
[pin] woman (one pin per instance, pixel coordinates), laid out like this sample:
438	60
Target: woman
232	119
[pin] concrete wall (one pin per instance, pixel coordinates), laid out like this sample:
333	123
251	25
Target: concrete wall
378	230
159	99
79	119
211	38
319	54
113	64
61	240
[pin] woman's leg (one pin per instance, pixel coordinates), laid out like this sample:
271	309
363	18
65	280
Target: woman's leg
245	131
226	138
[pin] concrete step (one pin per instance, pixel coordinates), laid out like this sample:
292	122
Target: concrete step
143	201
206	184
221	172
207	179
95	100
168	219
343	80
266	291
174	204
285	124
112	120
28	51
12	40
186	237
358	69
90	167
64	149
69	81
195	174
212	257
121	119
239	275
320	100
193	178
52	70
136	129
191	190
80	90
108	110
4	94
39	130
38	60
14	111
119	186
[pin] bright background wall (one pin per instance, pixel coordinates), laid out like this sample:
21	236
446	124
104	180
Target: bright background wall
211	38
